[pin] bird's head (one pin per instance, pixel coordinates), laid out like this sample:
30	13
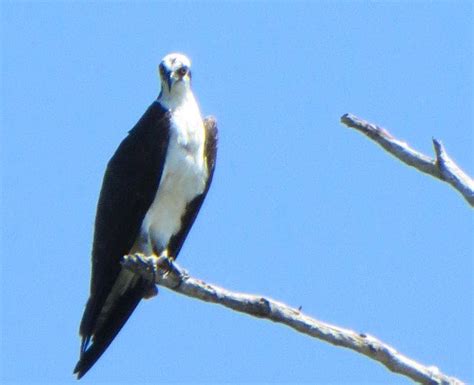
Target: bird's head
175	75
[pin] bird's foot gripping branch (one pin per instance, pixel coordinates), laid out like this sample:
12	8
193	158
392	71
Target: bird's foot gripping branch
159	270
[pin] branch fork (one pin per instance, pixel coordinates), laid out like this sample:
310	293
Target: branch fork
442	167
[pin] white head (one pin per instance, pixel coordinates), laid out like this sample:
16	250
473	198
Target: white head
175	75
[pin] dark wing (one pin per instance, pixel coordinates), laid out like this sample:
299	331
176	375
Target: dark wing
210	152
128	189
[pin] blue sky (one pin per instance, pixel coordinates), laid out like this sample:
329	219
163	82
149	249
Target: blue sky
301	209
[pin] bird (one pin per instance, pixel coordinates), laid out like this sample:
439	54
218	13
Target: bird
152	190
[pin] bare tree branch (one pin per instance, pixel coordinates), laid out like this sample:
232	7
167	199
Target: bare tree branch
443	167
161	272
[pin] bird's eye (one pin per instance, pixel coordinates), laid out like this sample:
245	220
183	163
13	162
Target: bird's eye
182	71
162	70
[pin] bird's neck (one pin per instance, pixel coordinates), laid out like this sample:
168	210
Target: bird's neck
177	99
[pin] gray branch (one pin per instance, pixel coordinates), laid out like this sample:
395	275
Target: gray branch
159	270
442	167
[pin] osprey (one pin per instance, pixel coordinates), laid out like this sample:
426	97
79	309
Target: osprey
153	188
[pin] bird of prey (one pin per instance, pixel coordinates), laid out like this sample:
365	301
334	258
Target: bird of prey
153	188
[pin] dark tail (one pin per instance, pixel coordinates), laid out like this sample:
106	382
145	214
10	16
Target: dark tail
102	338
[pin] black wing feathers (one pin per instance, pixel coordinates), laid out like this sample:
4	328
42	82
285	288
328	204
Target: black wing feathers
128	189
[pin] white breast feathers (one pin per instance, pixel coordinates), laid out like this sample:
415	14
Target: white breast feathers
184	177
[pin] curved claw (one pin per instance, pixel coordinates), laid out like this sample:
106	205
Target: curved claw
166	266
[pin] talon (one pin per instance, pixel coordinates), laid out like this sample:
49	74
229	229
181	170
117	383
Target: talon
162	263
173	268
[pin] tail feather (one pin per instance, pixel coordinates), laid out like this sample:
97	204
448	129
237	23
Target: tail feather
111	326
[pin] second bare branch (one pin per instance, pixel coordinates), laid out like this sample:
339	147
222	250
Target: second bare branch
442	167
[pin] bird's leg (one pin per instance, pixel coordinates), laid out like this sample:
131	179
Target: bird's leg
155	269
166	265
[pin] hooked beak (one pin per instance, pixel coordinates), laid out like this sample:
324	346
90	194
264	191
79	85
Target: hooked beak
166	76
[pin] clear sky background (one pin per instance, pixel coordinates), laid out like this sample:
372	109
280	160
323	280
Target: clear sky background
301	209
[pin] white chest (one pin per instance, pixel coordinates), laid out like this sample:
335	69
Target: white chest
183	178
